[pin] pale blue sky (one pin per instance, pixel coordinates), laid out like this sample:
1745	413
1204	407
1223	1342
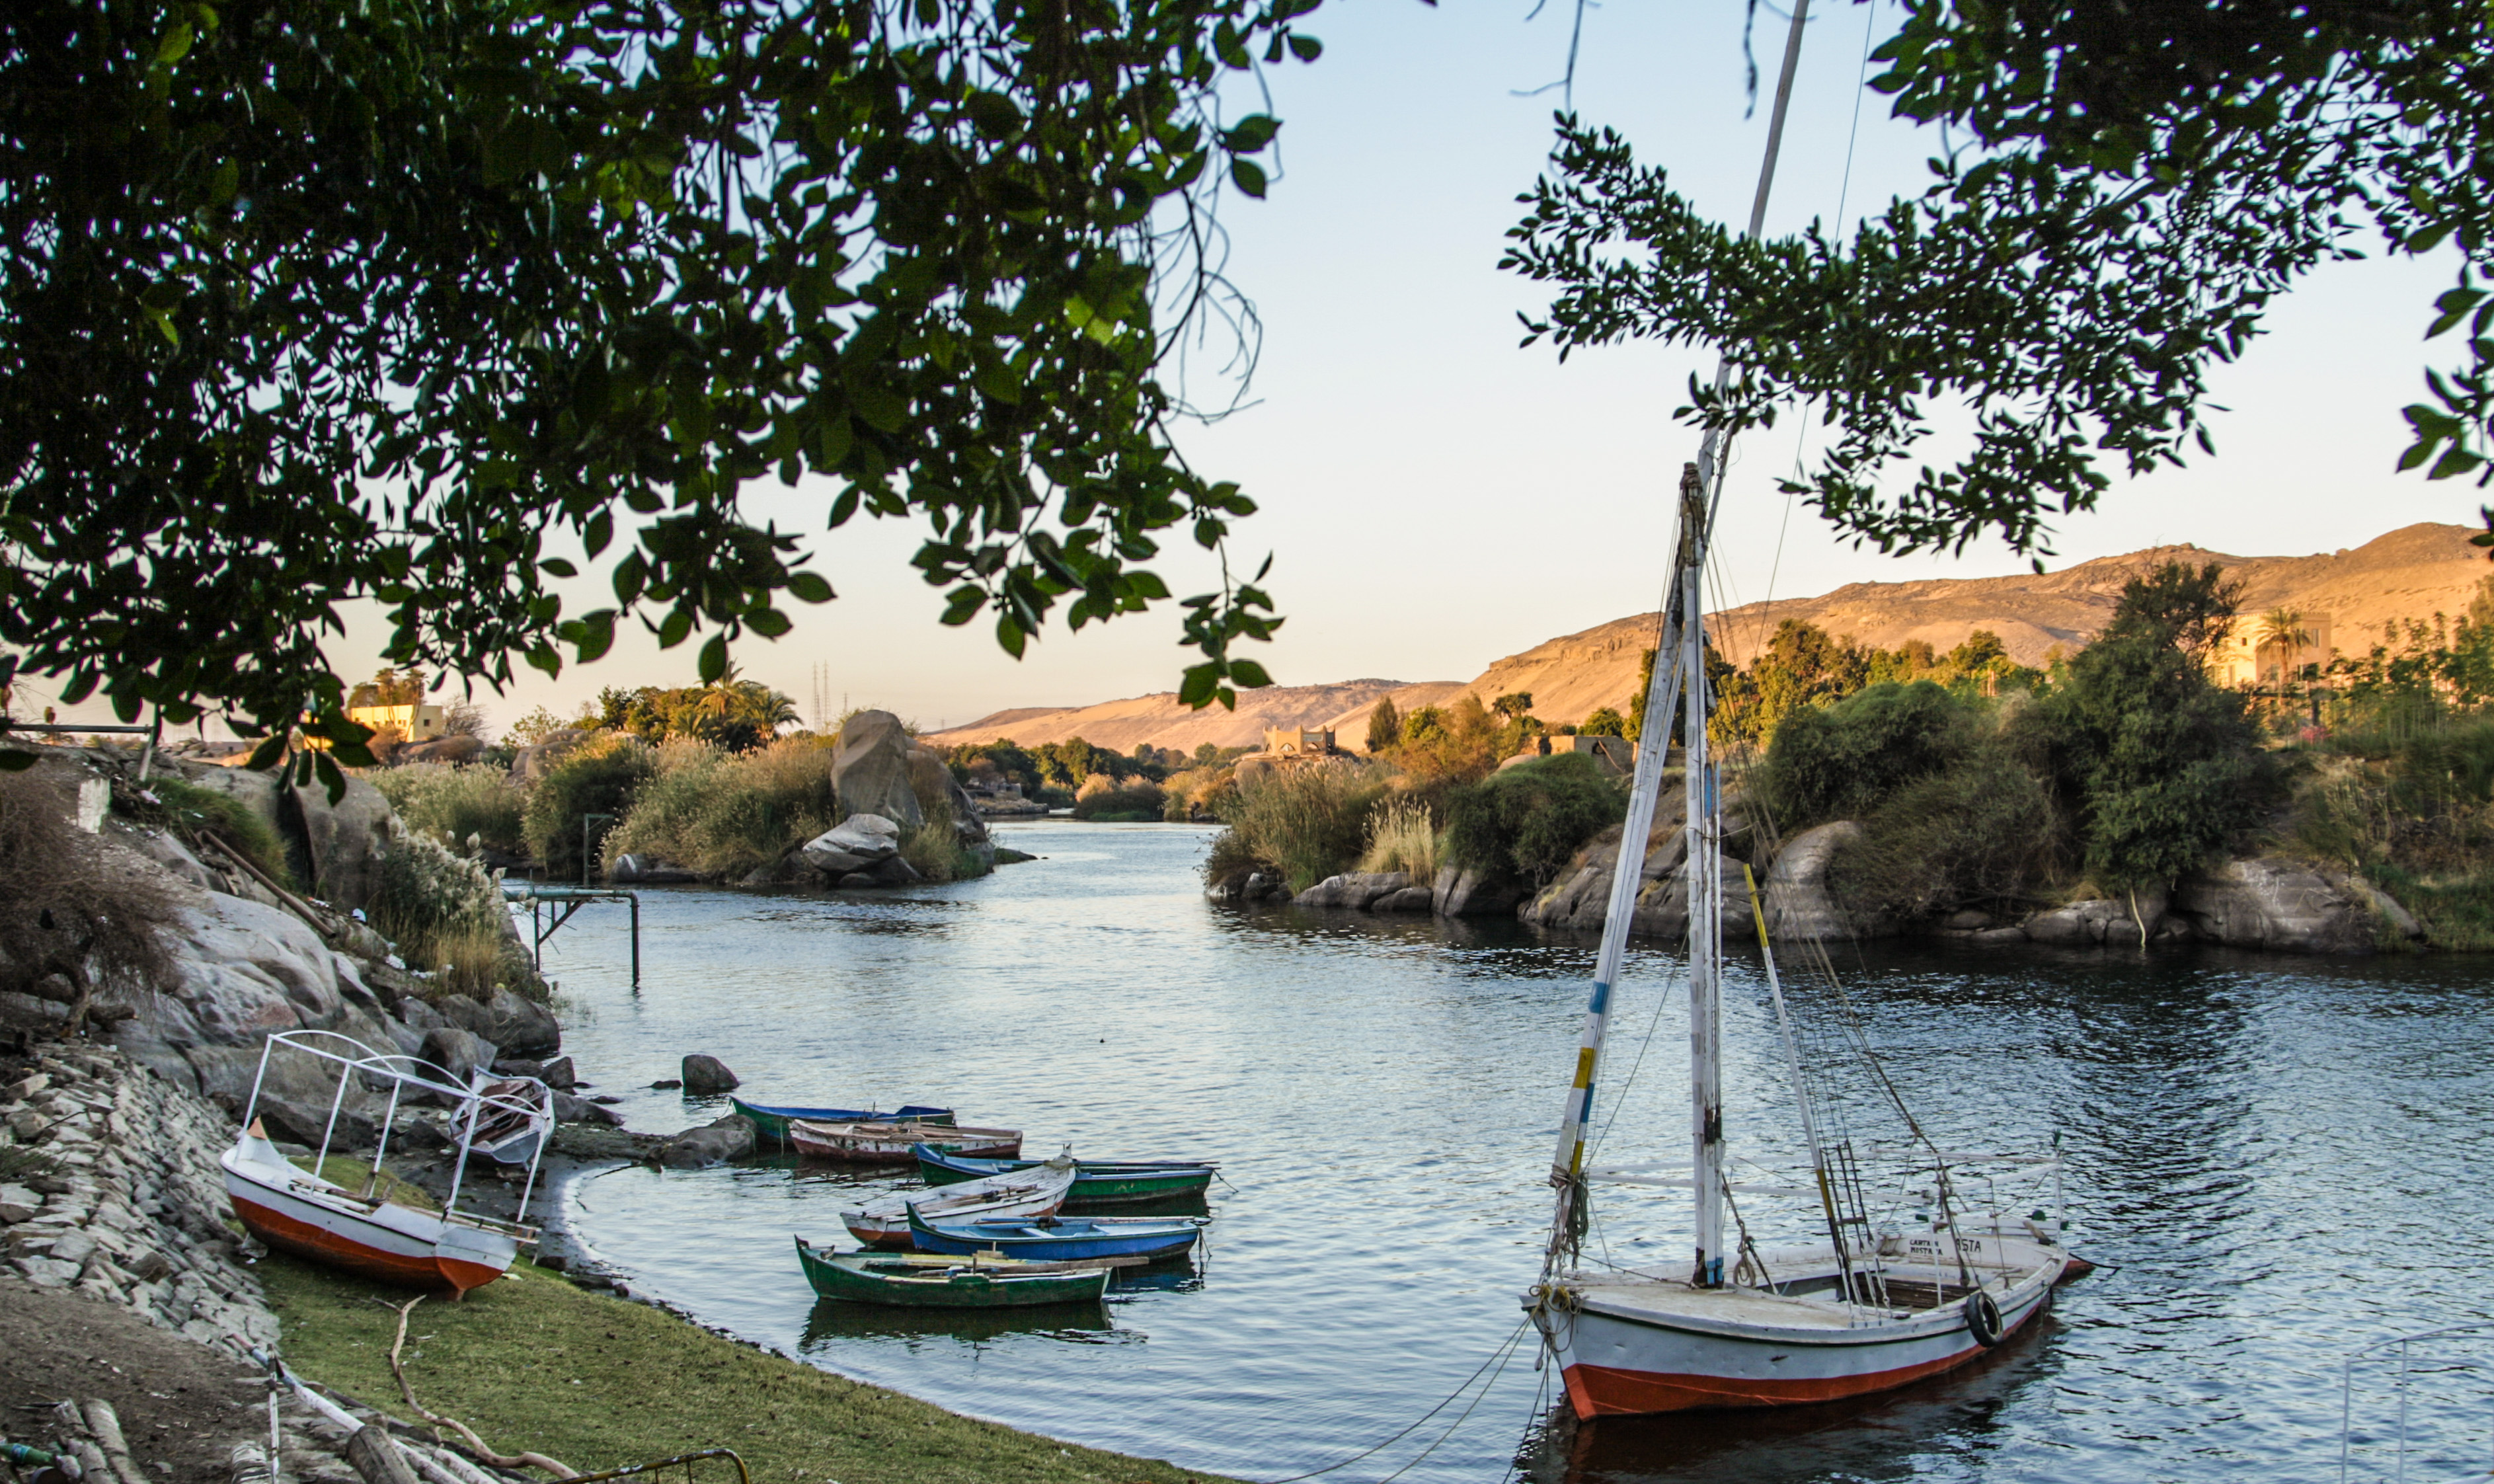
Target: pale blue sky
1436	498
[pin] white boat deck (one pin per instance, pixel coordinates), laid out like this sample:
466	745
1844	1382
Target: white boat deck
1673	1298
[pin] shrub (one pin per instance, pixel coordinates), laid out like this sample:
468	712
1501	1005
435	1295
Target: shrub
1304	823
1401	837
933	850
1985	830
452	802
1841	761
448	918
599	776
1527	821
194	806
72	908
725	815
1198	790
1131	804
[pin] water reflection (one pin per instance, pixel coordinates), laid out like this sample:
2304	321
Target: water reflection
833	1323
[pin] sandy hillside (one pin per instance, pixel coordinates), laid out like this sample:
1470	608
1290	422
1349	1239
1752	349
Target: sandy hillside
2413	573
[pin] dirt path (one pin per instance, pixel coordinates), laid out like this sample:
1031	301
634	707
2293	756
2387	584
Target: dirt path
182	1406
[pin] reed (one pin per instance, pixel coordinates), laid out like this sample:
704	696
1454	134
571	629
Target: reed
1401	837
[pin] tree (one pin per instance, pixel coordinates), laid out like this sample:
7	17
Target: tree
2121	203
1384	727
2178	606
1514	706
305	303
2282	629
1603	722
389	686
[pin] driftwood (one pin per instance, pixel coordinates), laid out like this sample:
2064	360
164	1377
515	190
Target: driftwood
475	1444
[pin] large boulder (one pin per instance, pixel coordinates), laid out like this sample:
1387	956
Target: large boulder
440	749
930	778
531	764
2287	906
870	769
715	1143
1461	892
521	1026
342	843
634	870
1409	900
854	845
708	1076
459	1053
1799	904
1354	890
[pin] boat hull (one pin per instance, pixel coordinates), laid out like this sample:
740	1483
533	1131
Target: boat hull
1096	1184
394	1244
861	1278
895	1143
1075	1241
1036	1192
1622	1359
770	1122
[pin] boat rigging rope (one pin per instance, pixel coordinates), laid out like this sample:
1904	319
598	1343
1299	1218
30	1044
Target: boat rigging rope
1497	1358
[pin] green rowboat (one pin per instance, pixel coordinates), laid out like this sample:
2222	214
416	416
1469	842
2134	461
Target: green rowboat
925	1281
1095	1182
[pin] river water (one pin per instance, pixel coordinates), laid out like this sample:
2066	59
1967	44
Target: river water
2275	1161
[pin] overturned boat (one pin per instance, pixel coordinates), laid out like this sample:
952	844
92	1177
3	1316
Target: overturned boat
366	1225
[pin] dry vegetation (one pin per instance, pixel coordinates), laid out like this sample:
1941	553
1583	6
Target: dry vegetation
83	926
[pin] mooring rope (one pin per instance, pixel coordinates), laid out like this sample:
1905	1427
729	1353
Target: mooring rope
1497	1358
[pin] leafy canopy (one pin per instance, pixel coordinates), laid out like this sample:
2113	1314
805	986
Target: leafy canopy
304	302
2125	193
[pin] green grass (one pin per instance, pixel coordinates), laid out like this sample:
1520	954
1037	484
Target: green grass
600	1383
2456	909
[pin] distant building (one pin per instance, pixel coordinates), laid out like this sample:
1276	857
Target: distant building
413	722
1617	753
1299	741
2245	657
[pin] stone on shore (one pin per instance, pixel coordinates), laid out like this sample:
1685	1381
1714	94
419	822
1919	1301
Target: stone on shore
2273	903
870	769
715	1143
1409	900
853	844
458	1051
705	1075
636	870
1463	892
1797	900
1354	890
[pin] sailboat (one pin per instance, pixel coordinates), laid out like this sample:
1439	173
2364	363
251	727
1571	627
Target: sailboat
1874	1305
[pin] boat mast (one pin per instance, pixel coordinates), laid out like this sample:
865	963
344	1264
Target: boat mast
1700	486
1704	873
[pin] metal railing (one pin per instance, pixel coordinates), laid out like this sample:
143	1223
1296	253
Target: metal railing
2428	1425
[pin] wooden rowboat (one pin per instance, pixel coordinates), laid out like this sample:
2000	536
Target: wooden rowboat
1063	1238
323	1221
975	1282
1037	1191
771	1121
1095	1182
897	1143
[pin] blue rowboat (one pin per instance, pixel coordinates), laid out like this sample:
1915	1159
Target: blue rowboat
1061	1238
1095	1182
771	1123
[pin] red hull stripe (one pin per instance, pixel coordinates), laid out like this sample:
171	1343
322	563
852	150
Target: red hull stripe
1606	1391
321	1245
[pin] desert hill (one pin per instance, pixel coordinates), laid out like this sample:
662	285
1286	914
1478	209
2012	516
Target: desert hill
2411	573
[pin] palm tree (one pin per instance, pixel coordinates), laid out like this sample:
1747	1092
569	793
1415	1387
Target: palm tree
2282	629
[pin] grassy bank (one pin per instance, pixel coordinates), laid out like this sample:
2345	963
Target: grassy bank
600	1383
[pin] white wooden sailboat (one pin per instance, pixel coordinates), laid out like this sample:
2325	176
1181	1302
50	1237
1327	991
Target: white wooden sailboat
1877	1304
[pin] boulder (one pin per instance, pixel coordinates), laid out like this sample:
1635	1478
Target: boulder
852	845
1799	904
1354	890
558	1075
2080	924
531	764
570	1110
242	970
1473	893
461	1053
440	749
705	1075
870	769
1409	900
2287	906
1579	899
930	778
894	872
729	1138
342	843
1662	906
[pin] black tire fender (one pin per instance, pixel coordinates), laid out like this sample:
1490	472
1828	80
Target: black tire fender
1983	1319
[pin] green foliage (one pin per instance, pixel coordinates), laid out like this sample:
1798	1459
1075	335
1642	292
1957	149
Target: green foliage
726	814
538	725
2179	607
933	849
1983	831
2117	208
1842	760
738	715
599	776
1129	804
1605	723
448	918
1528	820
1804	666
1451	745
558	272
452	802
1401	837
389	686
194	806
1384	727
1304	824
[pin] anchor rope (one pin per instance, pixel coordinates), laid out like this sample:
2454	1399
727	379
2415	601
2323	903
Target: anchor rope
1498	1358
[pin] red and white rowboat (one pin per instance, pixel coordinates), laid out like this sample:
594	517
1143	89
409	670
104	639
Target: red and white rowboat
363	1231
897	1143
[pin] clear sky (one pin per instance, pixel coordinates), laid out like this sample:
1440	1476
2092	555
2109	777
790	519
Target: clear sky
1435	497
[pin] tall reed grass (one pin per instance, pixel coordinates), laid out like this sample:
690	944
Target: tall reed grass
726	814
1305	823
1401	837
454	802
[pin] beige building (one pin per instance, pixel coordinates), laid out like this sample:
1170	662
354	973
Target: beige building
415	723
1299	741
2247	657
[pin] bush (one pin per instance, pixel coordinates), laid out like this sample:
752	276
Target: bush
1401	837
725	815
72	909
1304	824
452	802
1842	760
1196	791
933	850
599	776
1132	804
1527	821
448	918
194	806
1983	832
